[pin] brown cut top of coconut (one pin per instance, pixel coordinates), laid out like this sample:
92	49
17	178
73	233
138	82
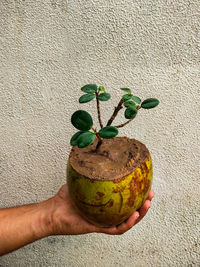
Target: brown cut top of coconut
115	158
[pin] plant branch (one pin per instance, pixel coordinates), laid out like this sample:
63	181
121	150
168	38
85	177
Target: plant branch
98	110
123	124
117	109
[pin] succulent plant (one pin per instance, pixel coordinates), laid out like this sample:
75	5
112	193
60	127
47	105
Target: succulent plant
83	121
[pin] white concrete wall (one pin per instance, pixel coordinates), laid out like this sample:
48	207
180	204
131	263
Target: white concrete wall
48	50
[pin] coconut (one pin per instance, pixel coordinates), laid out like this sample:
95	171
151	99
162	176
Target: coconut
109	184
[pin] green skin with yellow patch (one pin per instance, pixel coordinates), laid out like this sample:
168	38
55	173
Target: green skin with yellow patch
107	203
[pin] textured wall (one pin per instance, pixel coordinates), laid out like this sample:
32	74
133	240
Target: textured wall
48	50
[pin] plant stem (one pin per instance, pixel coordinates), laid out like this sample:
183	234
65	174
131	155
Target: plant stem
117	109
98	136
123	124
98	144
98	110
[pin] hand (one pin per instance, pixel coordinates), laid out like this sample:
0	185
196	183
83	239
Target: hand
67	220
58	215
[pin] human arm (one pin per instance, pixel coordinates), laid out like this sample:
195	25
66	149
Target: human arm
58	215
22	225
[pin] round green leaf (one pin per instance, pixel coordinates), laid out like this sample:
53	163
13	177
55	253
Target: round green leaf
129	104
126	97
108	132
89	88
82	120
104	97
130	113
73	141
86	98
127	90
136	99
150	103
85	139
101	88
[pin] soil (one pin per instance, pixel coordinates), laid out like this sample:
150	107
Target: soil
114	159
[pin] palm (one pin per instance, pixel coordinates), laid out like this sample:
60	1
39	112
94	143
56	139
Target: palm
69	220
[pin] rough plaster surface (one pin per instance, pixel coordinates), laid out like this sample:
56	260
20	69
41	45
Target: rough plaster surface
48	50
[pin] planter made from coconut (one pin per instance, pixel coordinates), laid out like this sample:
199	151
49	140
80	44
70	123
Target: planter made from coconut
108	202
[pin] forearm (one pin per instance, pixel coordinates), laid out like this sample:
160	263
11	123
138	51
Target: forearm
20	226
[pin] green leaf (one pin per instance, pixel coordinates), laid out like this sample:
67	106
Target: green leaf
82	120
85	139
129	104
126	97
104	97
150	103
101	88
136	99
73	141
89	88
127	90
130	113
86	98
108	132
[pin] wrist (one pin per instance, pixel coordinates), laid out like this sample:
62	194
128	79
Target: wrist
43	224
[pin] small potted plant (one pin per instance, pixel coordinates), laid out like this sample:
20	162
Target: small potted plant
108	177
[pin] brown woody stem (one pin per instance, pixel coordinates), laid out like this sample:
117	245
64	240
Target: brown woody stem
98	136
123	124
117	109
98	144
98	110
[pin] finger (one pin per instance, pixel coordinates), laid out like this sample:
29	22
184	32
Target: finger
143	210
151	195
123	227
128	224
